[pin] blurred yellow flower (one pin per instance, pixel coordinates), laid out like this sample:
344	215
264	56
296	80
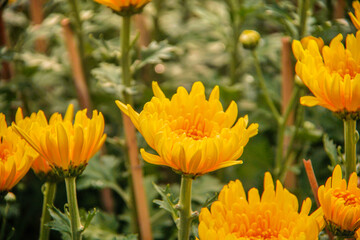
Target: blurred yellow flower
355	19
67	147
192	135
127	7
331	76
273	216
341	204
16	157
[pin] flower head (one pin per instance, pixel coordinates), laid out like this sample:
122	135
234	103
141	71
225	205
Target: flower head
333	75
66	146
274	215
355	19
249	39
16	157
192	135
341	204
125	7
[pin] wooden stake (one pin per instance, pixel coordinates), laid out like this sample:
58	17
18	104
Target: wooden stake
339	11
37	16
287	89
137	179
6	71
79	77
312	179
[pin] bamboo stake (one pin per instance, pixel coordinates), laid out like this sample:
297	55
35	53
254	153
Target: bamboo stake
287	89
137	180
339	11
37	16
75	60
6	71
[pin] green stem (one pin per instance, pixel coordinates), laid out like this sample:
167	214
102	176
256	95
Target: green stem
303	8
279	149
49	196
185	208
350	146
76	227
125	58
268	100
2	230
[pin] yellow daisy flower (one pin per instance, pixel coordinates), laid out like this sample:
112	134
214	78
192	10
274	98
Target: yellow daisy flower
355	19
332	76
67	147
341	204
16	157
274	215
125	7
192	135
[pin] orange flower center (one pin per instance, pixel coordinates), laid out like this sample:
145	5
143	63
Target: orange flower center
348	197
4	152
262	234
343	67
194	129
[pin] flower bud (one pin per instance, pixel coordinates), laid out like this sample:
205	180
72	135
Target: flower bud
249	39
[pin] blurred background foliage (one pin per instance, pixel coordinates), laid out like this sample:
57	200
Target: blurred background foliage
176	43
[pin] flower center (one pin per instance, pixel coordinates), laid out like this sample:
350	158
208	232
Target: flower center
343	67
348	197
4	152
262	234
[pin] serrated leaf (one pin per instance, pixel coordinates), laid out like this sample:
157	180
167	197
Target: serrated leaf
156	52
167	201
109	78
60	222
102	173
331	150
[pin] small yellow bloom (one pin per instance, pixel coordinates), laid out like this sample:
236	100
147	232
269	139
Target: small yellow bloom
67	147
16	157
192	135
249	39
331	76
341	204
274	215
355	19
125	7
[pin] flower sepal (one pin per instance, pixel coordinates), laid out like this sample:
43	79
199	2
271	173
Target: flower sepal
50	176
129	11
73	171
346	115
339	232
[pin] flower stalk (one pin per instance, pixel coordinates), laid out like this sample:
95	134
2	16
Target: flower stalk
350	146
49	196
184	207
76	227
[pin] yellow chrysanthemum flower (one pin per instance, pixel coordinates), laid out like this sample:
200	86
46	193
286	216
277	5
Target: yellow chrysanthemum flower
355	19
125	7
331	76
67	147
305	42
341	204
192	135
16	157
273	216
40	166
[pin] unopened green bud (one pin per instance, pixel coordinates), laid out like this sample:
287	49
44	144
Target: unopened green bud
249	39
10	197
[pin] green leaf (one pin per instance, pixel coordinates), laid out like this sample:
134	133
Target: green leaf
167	201
60	222
102	173
156	52
109	78
90	215
331	150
